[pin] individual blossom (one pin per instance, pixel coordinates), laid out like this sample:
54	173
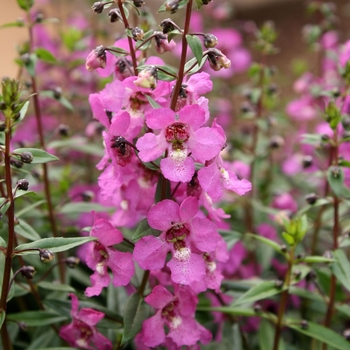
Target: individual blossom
176	312
183	139
162	43
216	176
96	58
184	234
82	332
102	256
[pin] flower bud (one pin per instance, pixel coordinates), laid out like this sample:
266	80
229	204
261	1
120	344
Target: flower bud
217	60
96	58
23	184
28	272
2	126
276	141
257	308
46	255
304	324
72	262
98	7
38	17
87	196
57	93
311	276
307	161
279	283
138	3
115	16
172	5
16	163
26	157
206	2
210	40
162	43
137	33
147	78
167	25
311	198
2	106
346	334
63	130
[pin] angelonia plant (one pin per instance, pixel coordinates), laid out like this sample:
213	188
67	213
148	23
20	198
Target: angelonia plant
157	204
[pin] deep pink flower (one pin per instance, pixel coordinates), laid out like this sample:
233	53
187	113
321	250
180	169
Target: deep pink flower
181	136
216	176
177	313
82	332
183	234
103	256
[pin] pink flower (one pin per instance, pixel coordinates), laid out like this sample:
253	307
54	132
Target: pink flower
96	58
184	234
82	332
215	176
102	255
177	313
181	136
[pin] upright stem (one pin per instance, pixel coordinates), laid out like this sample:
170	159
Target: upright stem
39	123
131	45
284	300
11	233
180	75
336	227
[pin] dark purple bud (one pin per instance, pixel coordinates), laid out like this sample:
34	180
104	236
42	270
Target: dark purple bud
63	130
72	262
16	163
28	272
172	5
210	40
311	198
2	126
23	184
97	7
57	93
167	26
276	141
137	33
115	16
138	3
46	255
307	161
87	196
26	157
304	325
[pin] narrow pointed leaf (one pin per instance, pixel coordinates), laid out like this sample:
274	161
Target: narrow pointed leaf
40	156
57	244
196	46
341	268
37	318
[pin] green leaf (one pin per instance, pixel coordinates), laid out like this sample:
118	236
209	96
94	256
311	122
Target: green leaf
335	176
152	102
37	318
199	4
263	290
117	51
2	317
22	112
25	4
320	202
40	156
271	243
80	144
56	287
266	336
136	311
341	268
322	334
311	139
231	237
2	264
196	67
30	64
13	24
62	100
333	115
45	55
56	244
60	348
25	230
81	207
30	207
314	259
164	76
20	193
196	46
144	229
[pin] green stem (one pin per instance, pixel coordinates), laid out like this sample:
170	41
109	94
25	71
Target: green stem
284	300
131	46
180	76
11	232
